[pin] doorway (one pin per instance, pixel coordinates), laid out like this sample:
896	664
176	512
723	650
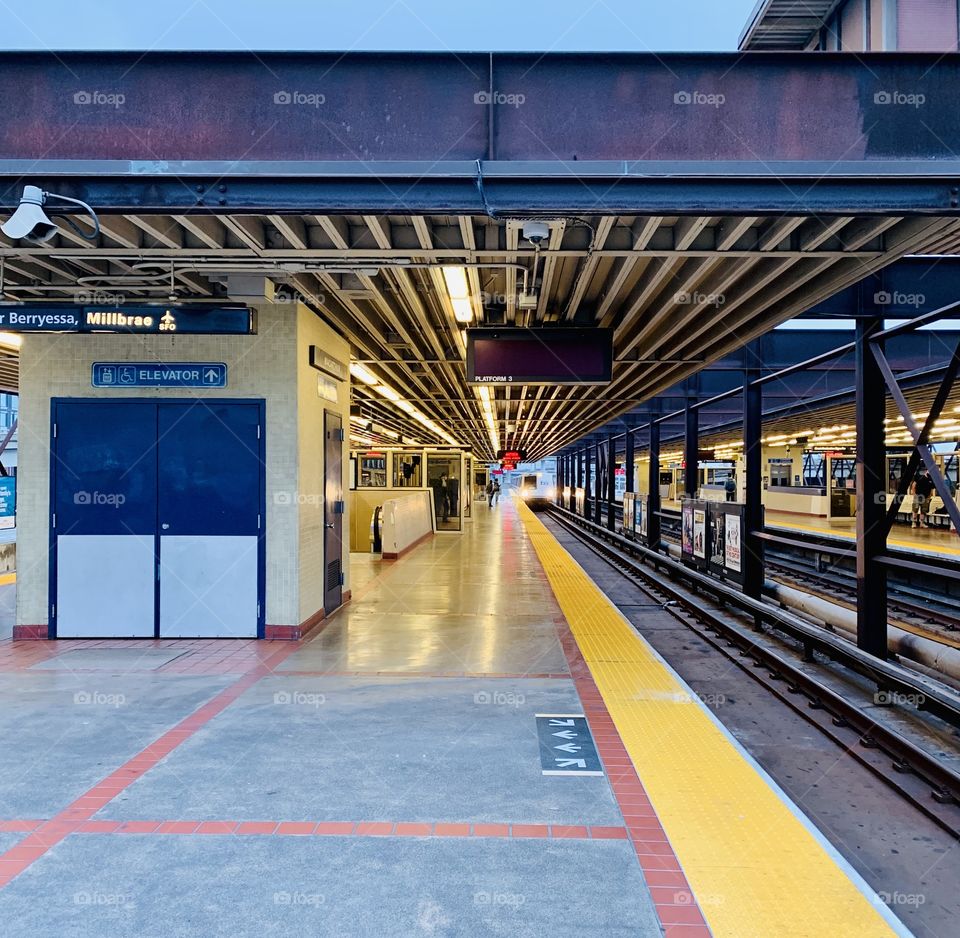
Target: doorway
333	505
443	477
156	525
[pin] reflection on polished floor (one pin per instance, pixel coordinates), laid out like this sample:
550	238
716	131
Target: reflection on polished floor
382	777
474	603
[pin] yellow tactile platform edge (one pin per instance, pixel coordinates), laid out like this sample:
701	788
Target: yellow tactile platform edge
754	866
916	546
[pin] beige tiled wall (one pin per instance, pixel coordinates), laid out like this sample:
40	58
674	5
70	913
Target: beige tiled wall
310	410
271	365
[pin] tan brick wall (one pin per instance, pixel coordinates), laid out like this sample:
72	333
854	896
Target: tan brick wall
310	411
262	366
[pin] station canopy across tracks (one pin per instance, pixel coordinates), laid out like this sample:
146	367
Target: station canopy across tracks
687	202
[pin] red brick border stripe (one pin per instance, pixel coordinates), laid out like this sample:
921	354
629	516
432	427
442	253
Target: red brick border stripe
435	829
673	898
49	833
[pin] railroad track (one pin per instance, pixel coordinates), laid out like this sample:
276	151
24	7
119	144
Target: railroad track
933	617
928	783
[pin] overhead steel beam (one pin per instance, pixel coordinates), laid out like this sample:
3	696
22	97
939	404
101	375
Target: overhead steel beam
516	133
425	191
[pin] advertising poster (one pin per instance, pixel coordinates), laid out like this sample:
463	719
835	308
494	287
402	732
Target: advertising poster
687	542
732	545
643	516
8	502
717	536
699	533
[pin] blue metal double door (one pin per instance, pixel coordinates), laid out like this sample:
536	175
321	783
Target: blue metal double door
157	519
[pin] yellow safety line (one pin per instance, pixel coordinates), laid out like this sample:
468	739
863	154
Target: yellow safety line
7	578
934	547
755	867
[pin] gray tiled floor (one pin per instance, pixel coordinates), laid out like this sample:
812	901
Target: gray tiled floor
172	886
340	749
343	742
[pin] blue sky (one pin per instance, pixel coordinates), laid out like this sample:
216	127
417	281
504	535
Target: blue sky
489	25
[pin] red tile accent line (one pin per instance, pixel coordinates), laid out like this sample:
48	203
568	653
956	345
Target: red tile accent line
321	828
30	633
293	633
81	811
495	675
406	550
676	906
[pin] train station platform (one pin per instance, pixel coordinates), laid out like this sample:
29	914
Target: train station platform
935	539
396	774
938	538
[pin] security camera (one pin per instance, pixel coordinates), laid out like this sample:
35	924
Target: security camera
30	222
536	232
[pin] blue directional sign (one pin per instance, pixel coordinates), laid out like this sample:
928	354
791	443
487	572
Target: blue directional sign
566	745
150	320
8	502
159	375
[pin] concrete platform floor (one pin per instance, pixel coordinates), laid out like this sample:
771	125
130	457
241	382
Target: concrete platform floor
381	778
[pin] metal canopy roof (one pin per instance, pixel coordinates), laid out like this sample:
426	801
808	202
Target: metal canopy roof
785	24
834	412
679	292
694	200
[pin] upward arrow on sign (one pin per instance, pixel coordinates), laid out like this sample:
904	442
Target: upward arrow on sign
211	375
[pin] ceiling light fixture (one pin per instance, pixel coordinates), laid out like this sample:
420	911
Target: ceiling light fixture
459	290
362	373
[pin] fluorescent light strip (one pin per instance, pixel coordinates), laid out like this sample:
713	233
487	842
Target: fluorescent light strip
458	288
362	373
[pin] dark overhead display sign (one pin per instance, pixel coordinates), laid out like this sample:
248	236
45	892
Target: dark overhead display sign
512	455
547	356
139	320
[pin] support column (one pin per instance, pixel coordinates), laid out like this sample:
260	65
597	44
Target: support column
691	450
597	482
586	481
653	500
611	482
628	456
751	545
871	494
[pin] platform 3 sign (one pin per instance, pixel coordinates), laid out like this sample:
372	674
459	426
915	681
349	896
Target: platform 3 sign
159	375
138	320
566	746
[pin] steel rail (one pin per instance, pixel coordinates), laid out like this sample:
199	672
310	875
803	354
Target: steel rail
908	759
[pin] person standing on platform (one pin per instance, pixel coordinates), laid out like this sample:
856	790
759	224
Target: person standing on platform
496	490
453	495
444	498
439	498
922	489
490	491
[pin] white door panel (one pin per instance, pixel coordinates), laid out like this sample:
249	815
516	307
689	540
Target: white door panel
105	586
208	586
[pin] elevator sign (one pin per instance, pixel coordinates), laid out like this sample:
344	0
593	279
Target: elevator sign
159	375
